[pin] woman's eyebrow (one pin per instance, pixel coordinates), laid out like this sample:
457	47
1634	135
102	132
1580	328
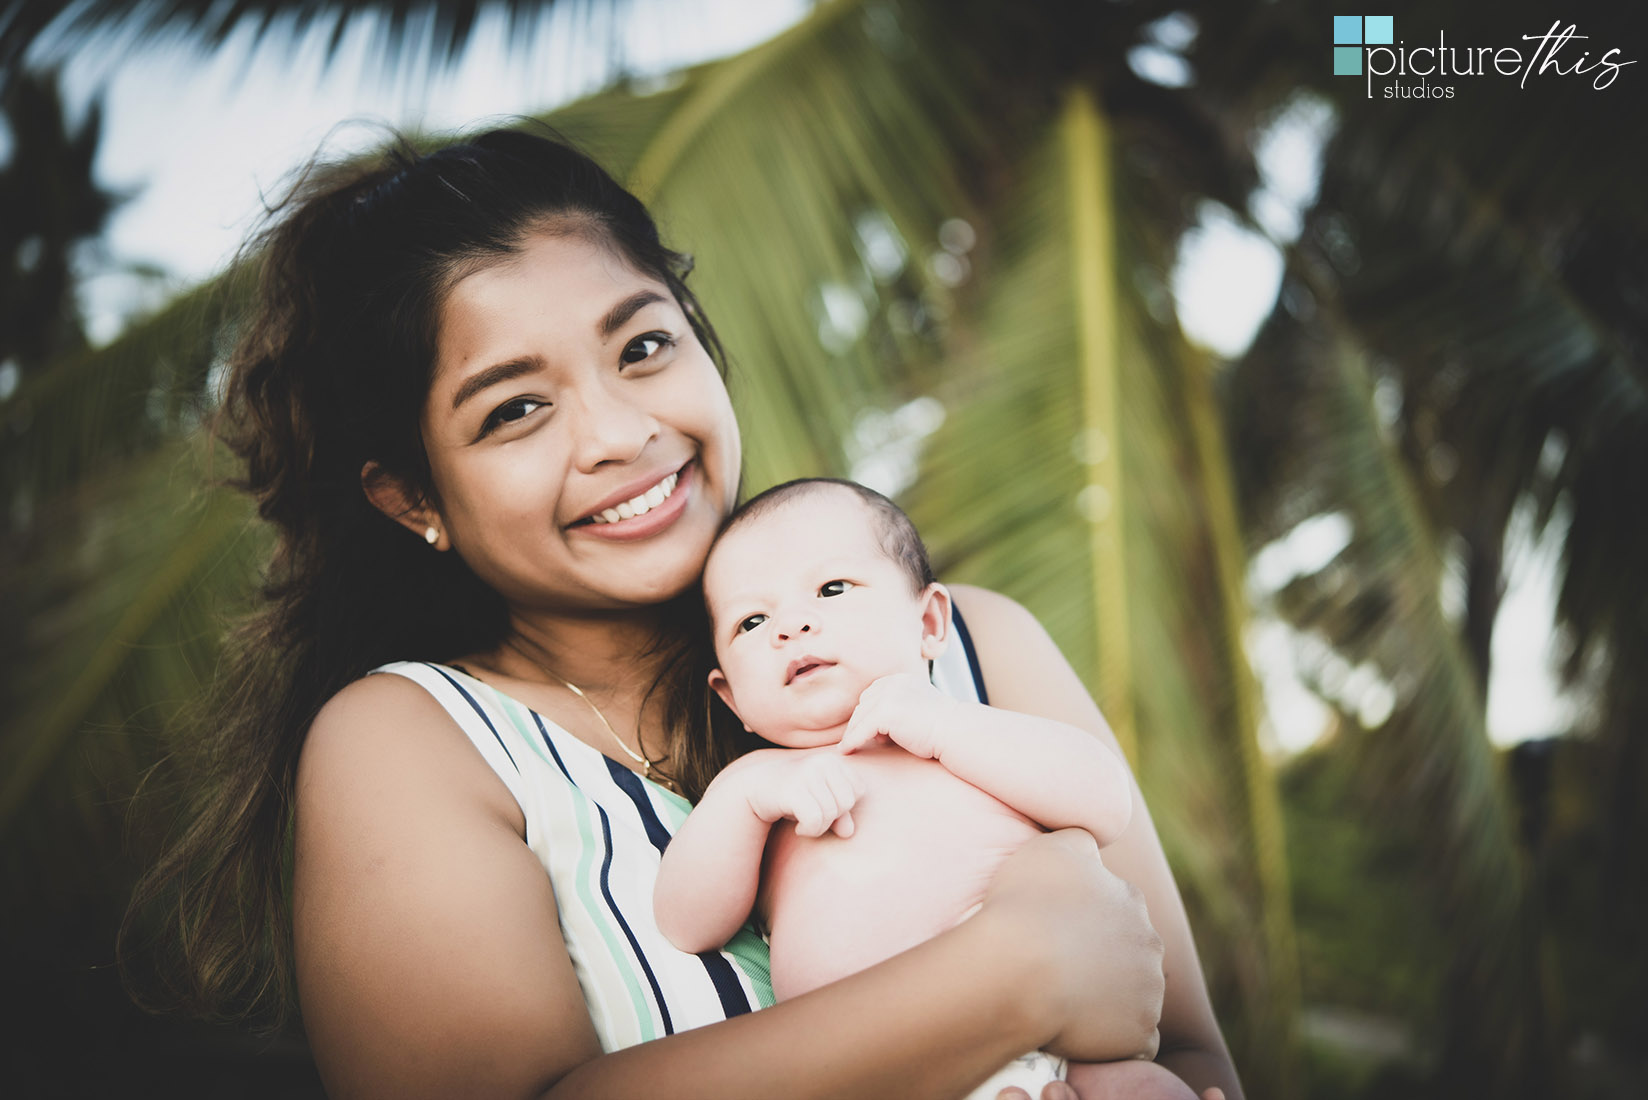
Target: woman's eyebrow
491	376
629	307
615	318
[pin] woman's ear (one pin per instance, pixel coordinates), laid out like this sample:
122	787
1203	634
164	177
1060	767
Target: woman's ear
935	620
719	685
391	495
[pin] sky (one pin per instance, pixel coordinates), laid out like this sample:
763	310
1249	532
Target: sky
199	139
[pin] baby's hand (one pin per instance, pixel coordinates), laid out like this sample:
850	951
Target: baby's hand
903	708
816	790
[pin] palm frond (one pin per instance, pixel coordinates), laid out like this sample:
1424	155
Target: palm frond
126	593
1097	316
1065	475
431	31
1378	606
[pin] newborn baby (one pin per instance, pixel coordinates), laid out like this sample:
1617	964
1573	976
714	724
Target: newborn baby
888	811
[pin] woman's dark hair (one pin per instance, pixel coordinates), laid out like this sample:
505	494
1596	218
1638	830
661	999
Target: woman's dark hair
331	371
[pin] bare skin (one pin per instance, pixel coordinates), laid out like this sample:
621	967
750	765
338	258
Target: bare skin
430	959
1024	671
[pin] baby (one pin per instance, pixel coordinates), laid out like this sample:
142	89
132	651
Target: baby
890	806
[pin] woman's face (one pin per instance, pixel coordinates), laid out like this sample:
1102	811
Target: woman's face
580	438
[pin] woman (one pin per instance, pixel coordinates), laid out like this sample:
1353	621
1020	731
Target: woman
485	415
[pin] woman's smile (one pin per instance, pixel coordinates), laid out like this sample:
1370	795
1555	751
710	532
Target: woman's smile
624	517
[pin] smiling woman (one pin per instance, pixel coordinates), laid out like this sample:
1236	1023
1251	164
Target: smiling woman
536	429
483	412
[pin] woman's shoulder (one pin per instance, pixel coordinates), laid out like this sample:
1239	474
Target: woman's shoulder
377	702
392	729
992	617
1018	660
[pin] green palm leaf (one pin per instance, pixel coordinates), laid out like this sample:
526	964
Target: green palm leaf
1064	475
1378	605
123	603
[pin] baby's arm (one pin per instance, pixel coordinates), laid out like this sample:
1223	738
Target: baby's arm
707	883
1051	772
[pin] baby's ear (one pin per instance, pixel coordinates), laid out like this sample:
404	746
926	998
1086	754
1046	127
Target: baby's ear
935	620
718	684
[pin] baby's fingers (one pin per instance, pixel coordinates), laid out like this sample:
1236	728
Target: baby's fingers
843	828
860	731
844	785
813	814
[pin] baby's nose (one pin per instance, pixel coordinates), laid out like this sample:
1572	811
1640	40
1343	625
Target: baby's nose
791	630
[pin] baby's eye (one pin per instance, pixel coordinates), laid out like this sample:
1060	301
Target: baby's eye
834	588
750	623
510	411
645	347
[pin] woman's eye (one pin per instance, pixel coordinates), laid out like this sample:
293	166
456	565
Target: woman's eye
834	588
750	623
645	347
509	412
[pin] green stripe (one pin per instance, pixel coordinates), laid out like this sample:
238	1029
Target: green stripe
749	951
588	875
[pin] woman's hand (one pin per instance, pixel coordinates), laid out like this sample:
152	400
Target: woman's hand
1100	961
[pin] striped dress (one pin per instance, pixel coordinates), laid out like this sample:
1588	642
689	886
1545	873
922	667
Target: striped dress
599	830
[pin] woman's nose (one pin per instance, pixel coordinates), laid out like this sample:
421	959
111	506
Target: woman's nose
611	425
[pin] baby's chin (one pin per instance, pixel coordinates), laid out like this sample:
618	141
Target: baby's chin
807	737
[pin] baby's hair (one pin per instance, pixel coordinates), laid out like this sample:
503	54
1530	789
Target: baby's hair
897	534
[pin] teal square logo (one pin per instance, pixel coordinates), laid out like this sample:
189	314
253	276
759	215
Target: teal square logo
1347	61
1347	30
1381	30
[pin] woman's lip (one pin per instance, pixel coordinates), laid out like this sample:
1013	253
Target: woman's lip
627	492
655	520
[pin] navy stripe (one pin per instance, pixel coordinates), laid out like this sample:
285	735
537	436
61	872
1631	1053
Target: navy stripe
470	699
634	944
720	970
725	980
606	867
630	784
967	648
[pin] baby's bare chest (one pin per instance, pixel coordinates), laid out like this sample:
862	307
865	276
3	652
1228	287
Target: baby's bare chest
924	849
915	823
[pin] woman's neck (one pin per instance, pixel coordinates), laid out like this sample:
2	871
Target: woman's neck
612	654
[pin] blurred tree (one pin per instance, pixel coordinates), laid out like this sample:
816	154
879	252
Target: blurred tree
1459	340
982	205
52	205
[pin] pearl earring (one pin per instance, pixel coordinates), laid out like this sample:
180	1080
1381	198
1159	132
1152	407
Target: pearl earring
431	536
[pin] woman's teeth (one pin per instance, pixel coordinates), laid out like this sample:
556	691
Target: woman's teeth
641	505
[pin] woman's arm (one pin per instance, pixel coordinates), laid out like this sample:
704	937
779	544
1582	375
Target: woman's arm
1025	671
430	961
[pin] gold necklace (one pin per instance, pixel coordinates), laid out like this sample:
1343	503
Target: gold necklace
647	765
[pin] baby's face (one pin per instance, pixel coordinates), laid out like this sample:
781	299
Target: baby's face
808	611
